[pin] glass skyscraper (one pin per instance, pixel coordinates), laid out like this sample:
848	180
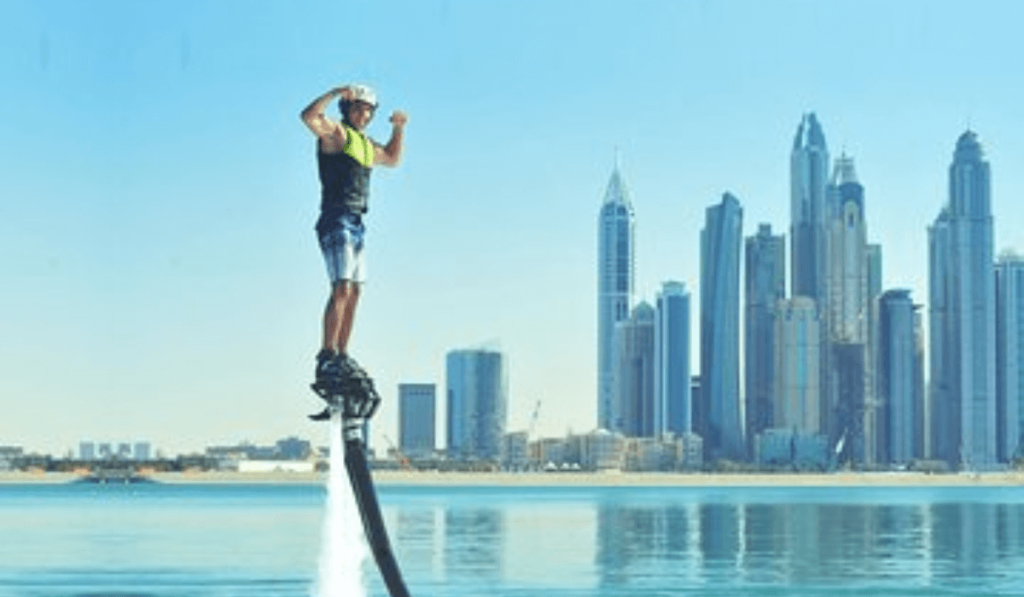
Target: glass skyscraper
848	397
673	406
902	403
963	315
811	213
615	286
797	356
633	406
809	164
416	418
765	276
477	403
847	297
1010	355
719	415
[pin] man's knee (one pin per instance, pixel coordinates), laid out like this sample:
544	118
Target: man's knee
345	291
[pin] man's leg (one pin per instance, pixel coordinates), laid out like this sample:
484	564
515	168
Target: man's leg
332	320
343	254
340	315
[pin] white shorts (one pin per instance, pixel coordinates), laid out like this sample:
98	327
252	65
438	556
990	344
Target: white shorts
343	248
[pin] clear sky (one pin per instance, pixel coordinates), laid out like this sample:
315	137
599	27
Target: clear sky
159	275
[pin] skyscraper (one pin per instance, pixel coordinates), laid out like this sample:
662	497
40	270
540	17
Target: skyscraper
673	406
902	403
477	403
615	284
633	406
719	416
765	276
962	288
848	386
809	164
940	403
416	418
925	424
797	355
1010	355
847	272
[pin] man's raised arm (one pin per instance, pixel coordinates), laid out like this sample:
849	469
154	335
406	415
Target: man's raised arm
313	114
391	154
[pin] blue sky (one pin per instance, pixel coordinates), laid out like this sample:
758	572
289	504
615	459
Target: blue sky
160	275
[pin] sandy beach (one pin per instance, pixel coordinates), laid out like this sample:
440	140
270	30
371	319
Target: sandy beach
609	479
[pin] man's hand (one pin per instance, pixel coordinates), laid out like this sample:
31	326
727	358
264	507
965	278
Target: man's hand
399	118
345	92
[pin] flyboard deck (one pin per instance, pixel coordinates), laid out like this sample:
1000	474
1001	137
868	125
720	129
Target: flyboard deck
355	409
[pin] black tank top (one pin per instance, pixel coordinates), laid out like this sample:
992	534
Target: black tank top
345	178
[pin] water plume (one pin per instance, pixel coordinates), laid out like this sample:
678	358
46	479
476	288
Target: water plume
343	550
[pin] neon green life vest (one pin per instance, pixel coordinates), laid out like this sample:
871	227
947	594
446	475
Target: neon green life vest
358	146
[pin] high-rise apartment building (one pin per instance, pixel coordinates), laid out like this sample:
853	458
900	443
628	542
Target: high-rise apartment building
1010	356
847	271
809	163
797	355
633	406
940	330
673	407
848	399
811	213
719	415
477	403
416	418
962	314
765	286
615	285
901	413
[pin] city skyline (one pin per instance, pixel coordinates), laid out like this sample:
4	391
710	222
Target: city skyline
163	281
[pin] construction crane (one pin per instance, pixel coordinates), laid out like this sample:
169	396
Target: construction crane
402	460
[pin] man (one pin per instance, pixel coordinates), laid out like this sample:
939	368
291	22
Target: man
345	157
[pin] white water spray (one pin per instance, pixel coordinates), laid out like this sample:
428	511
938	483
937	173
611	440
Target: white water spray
343	548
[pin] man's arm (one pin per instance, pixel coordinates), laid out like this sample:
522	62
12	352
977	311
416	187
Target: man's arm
313	115
391	154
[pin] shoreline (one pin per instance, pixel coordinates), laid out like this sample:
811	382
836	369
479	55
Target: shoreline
390	478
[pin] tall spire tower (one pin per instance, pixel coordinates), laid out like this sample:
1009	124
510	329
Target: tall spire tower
963	314
808	210
848	400
616	273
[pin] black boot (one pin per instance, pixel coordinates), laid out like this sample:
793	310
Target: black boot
326	366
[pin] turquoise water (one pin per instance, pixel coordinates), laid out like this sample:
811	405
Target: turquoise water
205	541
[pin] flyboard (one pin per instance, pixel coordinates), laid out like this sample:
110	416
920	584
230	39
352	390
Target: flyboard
354	398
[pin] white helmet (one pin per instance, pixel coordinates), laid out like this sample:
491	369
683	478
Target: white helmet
362	93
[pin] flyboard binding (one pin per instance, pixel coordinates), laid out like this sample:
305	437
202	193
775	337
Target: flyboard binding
353	396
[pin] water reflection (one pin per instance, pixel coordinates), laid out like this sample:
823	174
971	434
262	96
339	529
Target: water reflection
619	545
473	539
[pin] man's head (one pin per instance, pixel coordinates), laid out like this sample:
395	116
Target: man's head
358	109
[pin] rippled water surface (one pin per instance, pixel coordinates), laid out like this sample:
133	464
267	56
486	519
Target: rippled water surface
262	540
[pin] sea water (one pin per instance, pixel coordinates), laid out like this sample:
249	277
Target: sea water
262	540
